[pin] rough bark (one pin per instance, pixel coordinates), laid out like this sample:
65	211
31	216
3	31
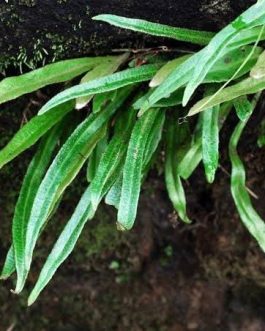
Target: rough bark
33	30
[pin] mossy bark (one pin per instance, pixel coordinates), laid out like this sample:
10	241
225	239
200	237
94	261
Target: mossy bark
34	31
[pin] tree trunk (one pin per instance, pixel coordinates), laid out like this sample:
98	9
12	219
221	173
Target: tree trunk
33	31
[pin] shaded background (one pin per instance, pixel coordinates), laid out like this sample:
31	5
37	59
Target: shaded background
163	275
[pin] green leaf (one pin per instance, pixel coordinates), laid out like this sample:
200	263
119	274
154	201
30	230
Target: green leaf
243	107
105	68
166	70
222	71
155	29
210	141
13	87
248	215
258	71
173	182
113	196
102	99
30	185
132	173
95	157
245	87
64	245
252	17
9	266
192	154
113	159
30	133
65	167
104	84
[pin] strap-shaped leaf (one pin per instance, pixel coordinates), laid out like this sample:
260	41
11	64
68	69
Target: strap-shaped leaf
65	167
173	182
248	215
258	70
65	244
113	159
243	107
9	266
31	132
245	87
95	157
13	87
252	17
101	100
114	195
210	141
105	84
166	70
222	71
155	29
192	154
132	173
30	185
105	68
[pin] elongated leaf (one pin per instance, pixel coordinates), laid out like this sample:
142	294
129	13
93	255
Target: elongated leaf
13	87
95	157
252	17
9	267
30	133
258	71
105	68
222	71
113	159
132	172
248	215
30	185
192	154
101	100
65	167
105	84
243	107
114	195
64	245
210	141
166	70
246	86
155	29
173	182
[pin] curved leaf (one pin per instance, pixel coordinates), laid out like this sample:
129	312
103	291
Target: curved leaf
105	84
155	29
132	172
30	133
13	87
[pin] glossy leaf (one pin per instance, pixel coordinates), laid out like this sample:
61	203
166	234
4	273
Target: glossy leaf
243	107
9	266
107	67
105	84
248	215
64	245
210	141
155	29
65	167
132	172
252	17
173	182
30	185
31	132
13	87
113	159
245	87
